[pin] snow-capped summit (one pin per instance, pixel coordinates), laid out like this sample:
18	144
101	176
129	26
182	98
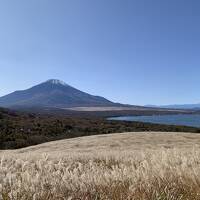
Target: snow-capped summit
57	82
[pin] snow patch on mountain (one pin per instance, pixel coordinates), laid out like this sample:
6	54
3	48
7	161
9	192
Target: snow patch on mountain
57	82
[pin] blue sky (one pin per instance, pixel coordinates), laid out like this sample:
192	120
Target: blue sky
137	52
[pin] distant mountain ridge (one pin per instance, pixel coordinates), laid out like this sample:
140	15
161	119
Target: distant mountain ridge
52	93
178	106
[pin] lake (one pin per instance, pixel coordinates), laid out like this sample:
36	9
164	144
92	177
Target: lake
181	119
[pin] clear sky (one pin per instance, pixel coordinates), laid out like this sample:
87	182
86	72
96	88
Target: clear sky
129	51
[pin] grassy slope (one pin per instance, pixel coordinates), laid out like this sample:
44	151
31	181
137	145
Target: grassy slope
118	141
134	166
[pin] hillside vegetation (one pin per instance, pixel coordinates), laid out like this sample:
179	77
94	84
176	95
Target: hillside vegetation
130	166
19	129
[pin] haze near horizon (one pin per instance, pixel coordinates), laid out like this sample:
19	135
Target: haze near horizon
135	52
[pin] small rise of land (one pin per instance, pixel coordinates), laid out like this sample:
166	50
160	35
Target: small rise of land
142	166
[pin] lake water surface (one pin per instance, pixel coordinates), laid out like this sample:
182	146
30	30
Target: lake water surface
182	119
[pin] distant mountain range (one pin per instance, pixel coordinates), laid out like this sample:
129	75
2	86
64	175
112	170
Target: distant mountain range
178	106
52	93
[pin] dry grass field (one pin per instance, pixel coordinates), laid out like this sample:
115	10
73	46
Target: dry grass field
129	166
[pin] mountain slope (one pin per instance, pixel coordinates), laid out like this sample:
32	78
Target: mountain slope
52	93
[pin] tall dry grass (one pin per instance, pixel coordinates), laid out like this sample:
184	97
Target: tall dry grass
132	166
151	175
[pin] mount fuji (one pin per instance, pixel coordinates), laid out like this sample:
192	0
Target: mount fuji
53	93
